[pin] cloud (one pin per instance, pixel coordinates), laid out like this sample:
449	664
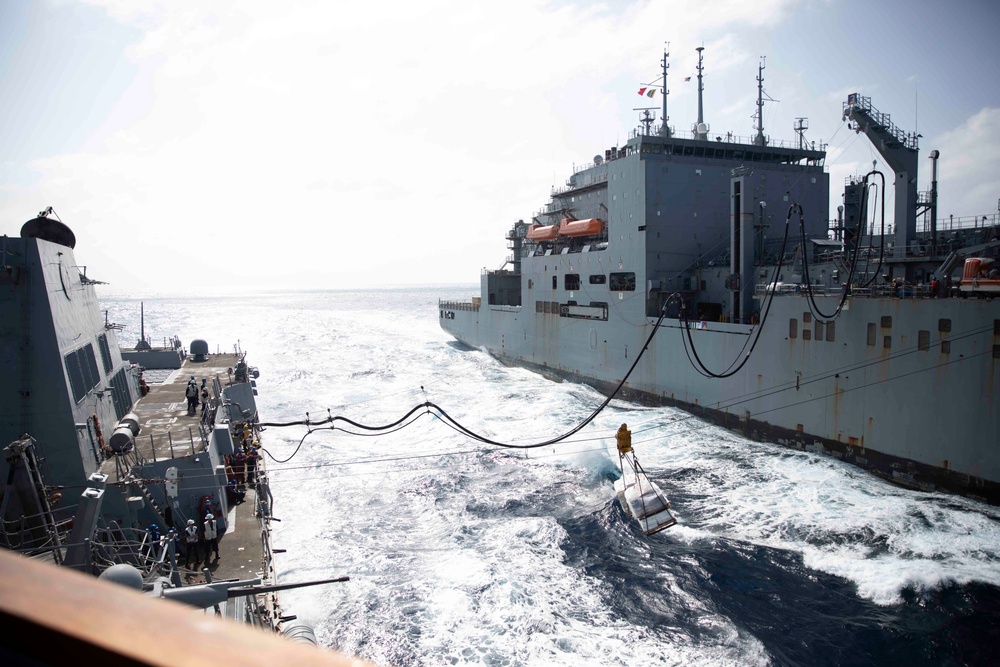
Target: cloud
429	125
968	169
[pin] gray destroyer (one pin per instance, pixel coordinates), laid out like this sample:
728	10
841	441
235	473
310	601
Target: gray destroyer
713	259
105	467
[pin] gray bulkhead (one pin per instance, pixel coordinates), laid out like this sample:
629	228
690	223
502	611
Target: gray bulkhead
62	367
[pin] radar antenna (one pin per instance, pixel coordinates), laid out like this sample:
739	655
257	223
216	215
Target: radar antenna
646	119
801	125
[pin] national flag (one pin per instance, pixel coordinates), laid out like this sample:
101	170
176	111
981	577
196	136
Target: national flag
652	91
642	91
852	99
687	78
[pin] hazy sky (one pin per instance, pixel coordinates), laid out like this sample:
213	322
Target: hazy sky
340	144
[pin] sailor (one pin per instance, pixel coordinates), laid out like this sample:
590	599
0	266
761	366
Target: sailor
192	395
211	536
154	540
234	495
204	396
253	457
191	544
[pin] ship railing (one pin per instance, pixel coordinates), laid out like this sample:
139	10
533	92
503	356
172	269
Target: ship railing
458	305
879	291
178	443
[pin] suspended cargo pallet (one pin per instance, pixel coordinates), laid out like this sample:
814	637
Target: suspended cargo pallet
641	499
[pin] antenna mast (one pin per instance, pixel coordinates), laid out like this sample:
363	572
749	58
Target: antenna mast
665	128
699	134
760	139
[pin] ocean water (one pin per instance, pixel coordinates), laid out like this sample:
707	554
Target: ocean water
463	554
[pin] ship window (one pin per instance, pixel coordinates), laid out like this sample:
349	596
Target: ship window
807	318
806	334
819	330
793	328
923	340
887	321
623	282
871	333
946	347
555	282
944	325
887	342
546	306
996	351
102	344
831	331
75	376
572	281
538	306
598	279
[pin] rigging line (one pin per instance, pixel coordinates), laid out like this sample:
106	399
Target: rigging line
331	428
810	297
447	418
729	372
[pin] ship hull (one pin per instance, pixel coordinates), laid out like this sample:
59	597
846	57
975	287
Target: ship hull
904	388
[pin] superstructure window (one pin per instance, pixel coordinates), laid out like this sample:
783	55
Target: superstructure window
102	344
623	282
81	366
572	281
598	280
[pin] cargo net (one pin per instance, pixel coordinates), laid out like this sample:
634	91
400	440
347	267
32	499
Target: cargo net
642	499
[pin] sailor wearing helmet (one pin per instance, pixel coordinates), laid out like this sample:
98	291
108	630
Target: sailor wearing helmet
191	544
211	536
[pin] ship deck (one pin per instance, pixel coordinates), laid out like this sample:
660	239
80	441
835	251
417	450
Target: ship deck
168	431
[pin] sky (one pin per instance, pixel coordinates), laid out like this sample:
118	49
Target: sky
315	145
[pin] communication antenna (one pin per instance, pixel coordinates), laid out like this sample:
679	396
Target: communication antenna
701	129
801	125
665	128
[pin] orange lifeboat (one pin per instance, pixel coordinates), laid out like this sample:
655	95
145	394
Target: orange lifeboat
588	227
979	275
540	233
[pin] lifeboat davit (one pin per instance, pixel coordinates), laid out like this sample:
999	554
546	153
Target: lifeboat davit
588	227
540	233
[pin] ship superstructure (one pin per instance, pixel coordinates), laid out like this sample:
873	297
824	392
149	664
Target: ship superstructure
844	337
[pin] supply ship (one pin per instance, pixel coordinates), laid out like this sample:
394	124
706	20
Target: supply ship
712	258
107	463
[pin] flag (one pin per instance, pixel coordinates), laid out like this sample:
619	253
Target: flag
652	91
642	91
687	78
852	99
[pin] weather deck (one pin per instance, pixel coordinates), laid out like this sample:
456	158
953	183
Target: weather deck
168	432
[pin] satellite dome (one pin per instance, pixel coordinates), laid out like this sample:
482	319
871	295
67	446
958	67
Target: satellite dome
199	349
123	574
